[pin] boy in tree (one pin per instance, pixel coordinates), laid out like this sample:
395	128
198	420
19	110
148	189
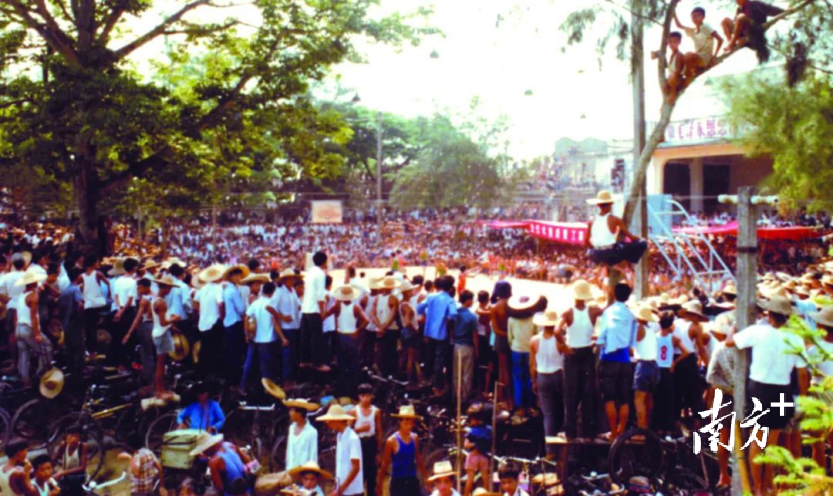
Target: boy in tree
746	29
704	38
675	66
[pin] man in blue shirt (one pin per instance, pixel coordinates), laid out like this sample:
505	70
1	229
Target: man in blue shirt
438	310
617	334
235	338
465	340
204	414
71	306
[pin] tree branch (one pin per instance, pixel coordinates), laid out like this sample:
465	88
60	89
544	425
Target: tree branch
53	35
112	19
631	11
158	30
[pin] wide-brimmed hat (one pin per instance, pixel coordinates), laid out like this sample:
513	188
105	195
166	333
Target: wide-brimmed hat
213	273
273	389
582	290
406	286
204	441
779	305
823	317
693	308
181	347
549	318
310	466
30	277
166	264
118	268
522	302
285	273
335	413
389	283
645	313
301	404
375	283
441	470
27	256
51	383
149	264
164	281
827	279
602	197
347	293
407	412
243	268
802	290
255	278
103	337
730	289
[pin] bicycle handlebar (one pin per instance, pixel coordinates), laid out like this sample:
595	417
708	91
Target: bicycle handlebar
93	485
256	408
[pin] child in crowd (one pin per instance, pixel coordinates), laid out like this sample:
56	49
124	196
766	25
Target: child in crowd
369	428
44	484
509	474
72	453
478	442
443	480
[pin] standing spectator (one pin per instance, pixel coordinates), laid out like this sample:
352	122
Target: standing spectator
547	371
402	451
302	441
368	426
267	329
312	308
520	331
286	302
349	478
646	372
94	301
209	300
465	346
234	338
438	311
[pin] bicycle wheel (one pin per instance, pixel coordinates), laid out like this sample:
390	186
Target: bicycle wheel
630	456
5	429
155	434
96	452
277	459
31	419
436	455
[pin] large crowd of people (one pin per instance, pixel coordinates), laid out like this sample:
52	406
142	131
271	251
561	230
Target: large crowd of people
260	306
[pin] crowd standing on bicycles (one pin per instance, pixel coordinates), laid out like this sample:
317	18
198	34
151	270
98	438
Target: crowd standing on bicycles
251	332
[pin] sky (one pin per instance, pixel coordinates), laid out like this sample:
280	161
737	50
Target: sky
499	51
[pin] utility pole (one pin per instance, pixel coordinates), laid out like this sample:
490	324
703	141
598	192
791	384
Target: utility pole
379	178
638	74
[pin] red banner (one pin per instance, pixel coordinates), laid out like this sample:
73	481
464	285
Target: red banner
571	233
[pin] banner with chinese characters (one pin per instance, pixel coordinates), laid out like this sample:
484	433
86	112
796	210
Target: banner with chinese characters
571	233
695	131
326	212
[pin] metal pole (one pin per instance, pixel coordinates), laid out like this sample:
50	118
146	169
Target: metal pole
379	178
747	276
638	73
489	484
460	423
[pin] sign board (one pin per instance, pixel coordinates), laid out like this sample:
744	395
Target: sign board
326	212
695	131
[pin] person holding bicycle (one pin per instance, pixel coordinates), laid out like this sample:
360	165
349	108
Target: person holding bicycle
204	414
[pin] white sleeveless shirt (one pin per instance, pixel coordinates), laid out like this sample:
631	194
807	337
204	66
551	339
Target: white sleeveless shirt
370	300
24	313
647	348
548	359
665	350
347	319
681	328
362	420
158	328
580	332
383	311
600	235
93	298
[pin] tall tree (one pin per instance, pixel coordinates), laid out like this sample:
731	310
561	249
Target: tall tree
76	99
797	46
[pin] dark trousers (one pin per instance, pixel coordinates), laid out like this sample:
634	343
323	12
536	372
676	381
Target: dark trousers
367	348
74	344
348	366
148	350
261	355
211	350
665	412
290	355
311	329
387	357
551	398
122	354
405	486
327	343
688	386
91	318
442	359
369	450
234	350
580	390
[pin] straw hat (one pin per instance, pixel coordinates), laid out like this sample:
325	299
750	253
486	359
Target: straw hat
482	492
205	441
310	466
273	389
824	317
407	412
285	273
164	281
827	279
522	302
645	313
51	383
255	278
347	293
213	273
582	290
181	347
335	413
406	286
171	261
302	404
375	283
118	268
103	337
243	268
27	256
441	470
603	197
389	283
549	318
779	305
30	277
149	264
730	289
802	291
695	308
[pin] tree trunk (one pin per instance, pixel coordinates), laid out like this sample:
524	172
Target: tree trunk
85	185
645	160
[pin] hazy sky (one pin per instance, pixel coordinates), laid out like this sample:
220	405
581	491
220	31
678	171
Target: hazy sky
499	61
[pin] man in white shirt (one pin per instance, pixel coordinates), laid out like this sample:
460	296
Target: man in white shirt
288	305
302	440
349	475
124	300
774	356
312	307
10	293
262	341
210	303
